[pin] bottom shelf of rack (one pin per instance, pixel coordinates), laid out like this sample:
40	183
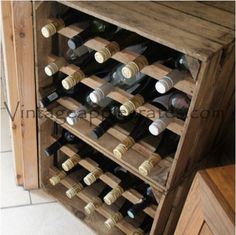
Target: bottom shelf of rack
76	206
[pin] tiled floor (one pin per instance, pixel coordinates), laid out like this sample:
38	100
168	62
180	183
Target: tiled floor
26	212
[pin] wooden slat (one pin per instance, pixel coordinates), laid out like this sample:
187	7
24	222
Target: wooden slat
205	12
12	88
87	194
132	159
24	55
150	27
155	70
110	179
121	96
222	5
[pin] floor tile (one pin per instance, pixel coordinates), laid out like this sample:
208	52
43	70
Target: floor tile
5	141
44	219
40	196
7	174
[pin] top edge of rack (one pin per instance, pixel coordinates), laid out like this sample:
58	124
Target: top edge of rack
179	26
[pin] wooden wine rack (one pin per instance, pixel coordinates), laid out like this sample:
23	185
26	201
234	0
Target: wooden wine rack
204	33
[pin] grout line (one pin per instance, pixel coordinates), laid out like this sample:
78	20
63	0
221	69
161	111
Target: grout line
25	205
6	151
30	197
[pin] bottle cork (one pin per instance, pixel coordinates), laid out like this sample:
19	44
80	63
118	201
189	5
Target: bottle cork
93	176
51	28
130	106
73	79
55	66
57	178
133	67
123	147
107	52
146	166
113	195
71	162
113	220
73	117
92	206
71	192
159	125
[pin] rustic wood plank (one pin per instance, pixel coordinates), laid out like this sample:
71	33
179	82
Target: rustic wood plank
222	5
155	70
205	12
12	88
150	27
24	55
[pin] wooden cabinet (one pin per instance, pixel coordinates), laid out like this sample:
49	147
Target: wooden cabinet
210	205
203	32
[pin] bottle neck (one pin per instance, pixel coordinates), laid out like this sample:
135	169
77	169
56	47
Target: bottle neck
124	208
53	148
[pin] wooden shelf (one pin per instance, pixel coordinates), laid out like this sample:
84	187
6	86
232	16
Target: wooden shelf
132	159
108	178
87	194
121	96
156	70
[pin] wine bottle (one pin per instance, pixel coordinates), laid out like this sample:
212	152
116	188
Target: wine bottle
71	16
148	92
178	73
116	79
114	117
139	132
177	105
154	52
127	181
96	202
166	148
104	165
117	216
78	186
84	150
145	226
60	62
119	41
148	200
66	138
95	28
57	91
86	70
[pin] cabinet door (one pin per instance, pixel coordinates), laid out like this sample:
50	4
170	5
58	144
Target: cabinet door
209	208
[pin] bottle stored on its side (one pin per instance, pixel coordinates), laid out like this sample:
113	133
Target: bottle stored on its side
148	92
114	117
148	200
54	66
139	132
178	73
145	226
166	147
104	165
96	202
66	138
71	16
116	79
84	150
96	28
119	41
88	69
117	216
154	52
58	92
177	105
127	181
